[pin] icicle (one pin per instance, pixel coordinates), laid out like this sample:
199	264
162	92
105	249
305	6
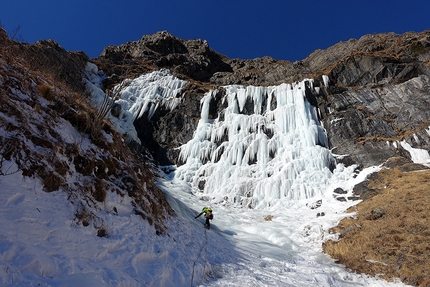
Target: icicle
205	101
241	98
326	80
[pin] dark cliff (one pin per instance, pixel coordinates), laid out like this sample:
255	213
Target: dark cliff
378	92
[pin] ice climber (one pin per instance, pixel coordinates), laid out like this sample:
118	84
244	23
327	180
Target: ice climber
208	215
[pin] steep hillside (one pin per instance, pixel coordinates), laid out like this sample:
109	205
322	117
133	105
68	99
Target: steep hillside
387	235
42	95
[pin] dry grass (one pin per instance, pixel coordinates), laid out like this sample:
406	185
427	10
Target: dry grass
46	91
268	218
389	236
401	135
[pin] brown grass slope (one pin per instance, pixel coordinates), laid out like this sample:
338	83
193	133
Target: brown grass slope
388	234
41	88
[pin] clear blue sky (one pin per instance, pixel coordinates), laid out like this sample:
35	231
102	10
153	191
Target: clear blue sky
287	30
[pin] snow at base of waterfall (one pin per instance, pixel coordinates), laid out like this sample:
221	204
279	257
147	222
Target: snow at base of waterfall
41	246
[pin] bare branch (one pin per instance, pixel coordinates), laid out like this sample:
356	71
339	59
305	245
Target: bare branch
6	149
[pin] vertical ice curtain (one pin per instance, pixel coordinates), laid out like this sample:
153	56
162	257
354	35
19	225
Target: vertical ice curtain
265	147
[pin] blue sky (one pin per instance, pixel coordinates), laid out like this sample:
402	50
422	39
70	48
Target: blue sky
287	30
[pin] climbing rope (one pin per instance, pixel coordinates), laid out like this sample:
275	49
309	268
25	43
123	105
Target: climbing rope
205	260
206	257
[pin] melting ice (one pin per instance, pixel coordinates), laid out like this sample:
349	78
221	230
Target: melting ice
274	153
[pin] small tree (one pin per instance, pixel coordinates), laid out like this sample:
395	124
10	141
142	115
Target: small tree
14	34
6	151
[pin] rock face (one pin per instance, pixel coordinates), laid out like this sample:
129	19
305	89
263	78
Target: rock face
168	130
192	58
363	121
378	93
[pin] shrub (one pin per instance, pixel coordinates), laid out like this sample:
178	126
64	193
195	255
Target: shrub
46	91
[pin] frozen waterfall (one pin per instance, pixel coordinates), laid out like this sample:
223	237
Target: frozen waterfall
265	147
275	153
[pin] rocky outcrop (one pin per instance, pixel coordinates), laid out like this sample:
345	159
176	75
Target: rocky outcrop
47	57
378	93
365	124
385	45
192	58
264	71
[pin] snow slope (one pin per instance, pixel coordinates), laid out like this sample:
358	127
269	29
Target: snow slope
40	245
